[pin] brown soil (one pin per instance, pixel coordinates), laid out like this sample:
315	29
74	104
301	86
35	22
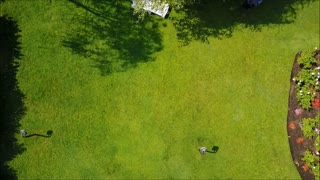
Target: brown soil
298	150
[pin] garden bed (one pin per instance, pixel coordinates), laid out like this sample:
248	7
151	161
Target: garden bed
299	144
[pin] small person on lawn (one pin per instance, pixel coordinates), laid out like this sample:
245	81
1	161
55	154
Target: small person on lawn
203	150
23	133
251	3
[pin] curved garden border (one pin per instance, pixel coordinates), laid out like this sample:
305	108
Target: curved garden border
298	144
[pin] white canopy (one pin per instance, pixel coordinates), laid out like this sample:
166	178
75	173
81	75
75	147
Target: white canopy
160	9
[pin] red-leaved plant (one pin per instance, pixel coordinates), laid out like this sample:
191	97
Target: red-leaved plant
305	167
316	103
292	126
299	140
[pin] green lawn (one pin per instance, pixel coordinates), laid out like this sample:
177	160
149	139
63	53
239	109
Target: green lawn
127	100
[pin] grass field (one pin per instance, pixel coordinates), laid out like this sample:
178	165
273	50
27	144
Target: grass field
127	100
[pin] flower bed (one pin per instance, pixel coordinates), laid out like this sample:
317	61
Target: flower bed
303	122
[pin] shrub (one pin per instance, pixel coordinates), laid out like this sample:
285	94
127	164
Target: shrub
305	97
308	127
308	158
306	84
307	58
311	160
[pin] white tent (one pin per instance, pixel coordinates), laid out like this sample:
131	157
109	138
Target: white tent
160	9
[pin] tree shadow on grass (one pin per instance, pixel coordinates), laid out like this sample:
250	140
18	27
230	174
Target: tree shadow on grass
11	98
109	33
218	18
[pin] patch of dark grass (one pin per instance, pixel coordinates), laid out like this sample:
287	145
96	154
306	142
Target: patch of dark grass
219	17
108	33
11	98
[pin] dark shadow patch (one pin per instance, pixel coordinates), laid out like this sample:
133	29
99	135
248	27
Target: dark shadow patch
108	33
11	98
215	149
49	133
219	17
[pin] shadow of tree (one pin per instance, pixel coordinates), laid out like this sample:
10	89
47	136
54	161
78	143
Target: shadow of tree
109	34
11	103
219	17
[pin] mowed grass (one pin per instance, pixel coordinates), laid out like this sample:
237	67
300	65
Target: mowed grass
149	120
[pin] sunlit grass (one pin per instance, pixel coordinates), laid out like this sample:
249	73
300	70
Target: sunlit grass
149	121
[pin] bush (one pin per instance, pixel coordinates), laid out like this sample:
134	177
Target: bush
308	127
312	162
309	159
306	85
307	77
305	100
307	58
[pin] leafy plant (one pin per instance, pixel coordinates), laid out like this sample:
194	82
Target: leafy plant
307	58
305	97
312	161
308	158
307	77
308	127
306	85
